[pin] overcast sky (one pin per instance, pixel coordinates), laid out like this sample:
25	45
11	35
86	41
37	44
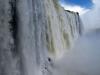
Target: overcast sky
89	11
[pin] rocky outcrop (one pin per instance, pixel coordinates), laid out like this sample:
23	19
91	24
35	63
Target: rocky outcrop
33	34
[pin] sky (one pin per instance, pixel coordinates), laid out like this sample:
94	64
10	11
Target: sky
82	3
81	6
88	9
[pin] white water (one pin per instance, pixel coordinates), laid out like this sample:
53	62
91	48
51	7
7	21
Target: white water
34	35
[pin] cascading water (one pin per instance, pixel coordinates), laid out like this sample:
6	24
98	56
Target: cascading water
34	34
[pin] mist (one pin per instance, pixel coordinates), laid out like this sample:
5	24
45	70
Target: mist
84	58
91	18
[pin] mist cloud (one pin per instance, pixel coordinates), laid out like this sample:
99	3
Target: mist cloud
75	8
91	19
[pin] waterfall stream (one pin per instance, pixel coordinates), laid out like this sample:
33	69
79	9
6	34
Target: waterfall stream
34	34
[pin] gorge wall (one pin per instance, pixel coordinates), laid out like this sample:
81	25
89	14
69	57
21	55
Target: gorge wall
34	34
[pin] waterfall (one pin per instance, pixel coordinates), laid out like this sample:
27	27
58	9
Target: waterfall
34	34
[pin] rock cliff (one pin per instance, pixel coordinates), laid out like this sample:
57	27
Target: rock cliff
34	34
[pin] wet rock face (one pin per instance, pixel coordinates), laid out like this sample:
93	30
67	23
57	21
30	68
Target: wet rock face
33	34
